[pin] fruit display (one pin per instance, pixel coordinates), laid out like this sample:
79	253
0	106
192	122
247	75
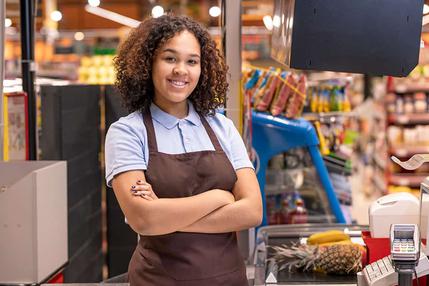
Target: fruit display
97	70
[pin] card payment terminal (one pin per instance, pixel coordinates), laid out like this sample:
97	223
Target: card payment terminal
399	267
405	243
405	251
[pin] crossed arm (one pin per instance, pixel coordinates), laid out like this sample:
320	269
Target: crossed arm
214	211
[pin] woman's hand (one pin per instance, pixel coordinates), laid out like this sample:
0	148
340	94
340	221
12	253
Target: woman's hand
144	190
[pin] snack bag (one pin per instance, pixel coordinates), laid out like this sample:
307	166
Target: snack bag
296	103
280	101
269	94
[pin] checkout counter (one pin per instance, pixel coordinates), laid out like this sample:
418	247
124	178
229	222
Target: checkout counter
398	209
394	208
277	235
17	186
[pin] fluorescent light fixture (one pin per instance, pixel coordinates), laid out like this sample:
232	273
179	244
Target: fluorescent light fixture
94	3
7	22
214	11
157	11
425	9
79	36
112	16
56	16
268	22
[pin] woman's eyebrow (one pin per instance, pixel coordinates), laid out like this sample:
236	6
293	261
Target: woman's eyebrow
175	52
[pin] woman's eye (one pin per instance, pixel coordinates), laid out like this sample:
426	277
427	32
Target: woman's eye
193	62
170	59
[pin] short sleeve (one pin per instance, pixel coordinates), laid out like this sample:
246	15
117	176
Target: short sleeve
238	152
124	150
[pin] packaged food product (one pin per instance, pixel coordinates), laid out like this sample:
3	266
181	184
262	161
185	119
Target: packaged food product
296	103
269	93
408	105
399	105
280	101
420	104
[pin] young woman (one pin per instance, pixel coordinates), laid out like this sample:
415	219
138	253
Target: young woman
180	171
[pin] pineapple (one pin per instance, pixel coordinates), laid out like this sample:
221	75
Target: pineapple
340	258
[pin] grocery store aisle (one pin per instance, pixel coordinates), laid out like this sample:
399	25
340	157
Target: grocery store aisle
361	199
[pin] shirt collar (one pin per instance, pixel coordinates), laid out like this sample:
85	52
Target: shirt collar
193	116
169	121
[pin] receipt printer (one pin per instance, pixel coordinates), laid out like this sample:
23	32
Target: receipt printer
396	208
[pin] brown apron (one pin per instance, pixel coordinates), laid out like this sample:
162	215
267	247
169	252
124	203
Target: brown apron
180	258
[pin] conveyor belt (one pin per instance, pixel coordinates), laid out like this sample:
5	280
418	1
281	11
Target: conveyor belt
287	234
305	277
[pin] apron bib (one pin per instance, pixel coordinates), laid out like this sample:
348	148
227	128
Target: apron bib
183	258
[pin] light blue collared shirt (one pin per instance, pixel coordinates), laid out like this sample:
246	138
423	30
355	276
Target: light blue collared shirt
126	145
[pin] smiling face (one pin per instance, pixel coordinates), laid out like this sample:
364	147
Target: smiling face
176	70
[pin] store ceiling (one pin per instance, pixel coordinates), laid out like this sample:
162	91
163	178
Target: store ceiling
76	18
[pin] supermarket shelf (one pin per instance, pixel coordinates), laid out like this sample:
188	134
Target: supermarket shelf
407	151
408	118
412	87
410	180
327	116
379	161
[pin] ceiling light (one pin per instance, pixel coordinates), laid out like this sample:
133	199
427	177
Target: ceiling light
214	11
56	16
118	18
268	22
425	9
7	22
94	3
79	36
157	11
276	21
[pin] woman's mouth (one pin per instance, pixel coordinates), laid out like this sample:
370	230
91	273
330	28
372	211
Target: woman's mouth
178	83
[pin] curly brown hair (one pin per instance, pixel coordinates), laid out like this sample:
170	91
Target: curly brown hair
133	64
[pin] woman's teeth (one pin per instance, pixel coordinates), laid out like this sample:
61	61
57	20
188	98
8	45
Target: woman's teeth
177	83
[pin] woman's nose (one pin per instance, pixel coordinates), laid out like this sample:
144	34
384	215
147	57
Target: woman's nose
179	69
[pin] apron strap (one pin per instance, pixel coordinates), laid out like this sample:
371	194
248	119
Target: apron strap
150	130
211	134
